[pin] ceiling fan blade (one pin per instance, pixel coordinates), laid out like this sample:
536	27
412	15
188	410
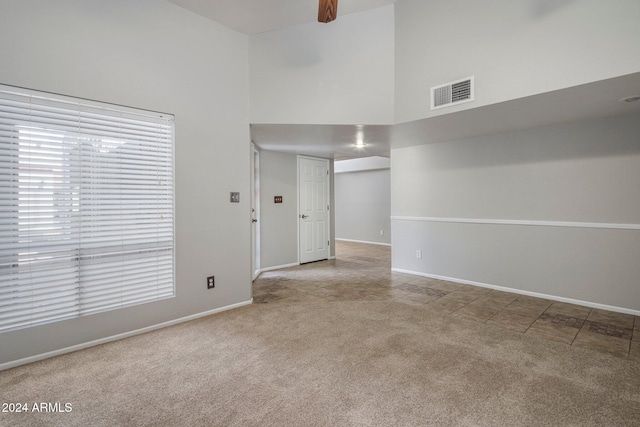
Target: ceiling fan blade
327	10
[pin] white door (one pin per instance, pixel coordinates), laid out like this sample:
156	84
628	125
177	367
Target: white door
313	210
255	212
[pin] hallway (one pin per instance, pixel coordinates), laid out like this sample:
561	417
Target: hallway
363	272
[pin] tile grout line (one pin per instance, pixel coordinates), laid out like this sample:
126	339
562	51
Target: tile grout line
633	335
536	319
581	326
466	304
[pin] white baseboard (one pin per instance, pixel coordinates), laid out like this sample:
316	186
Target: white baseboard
31	359
523	292
283	266
278	267
362	241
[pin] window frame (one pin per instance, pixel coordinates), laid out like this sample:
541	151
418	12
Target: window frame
137	141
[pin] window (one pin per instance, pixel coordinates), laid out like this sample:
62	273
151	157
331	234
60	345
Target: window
86	207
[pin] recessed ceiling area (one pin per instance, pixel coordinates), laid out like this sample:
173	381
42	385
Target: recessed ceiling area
336	142
258	16
590	101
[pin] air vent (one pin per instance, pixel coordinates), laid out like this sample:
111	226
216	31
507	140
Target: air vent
452	93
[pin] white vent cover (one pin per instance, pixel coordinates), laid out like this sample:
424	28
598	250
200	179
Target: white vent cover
452	93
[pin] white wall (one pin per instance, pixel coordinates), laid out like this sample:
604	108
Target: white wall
149	54
362	164
550	210
363	199
513	48
338	73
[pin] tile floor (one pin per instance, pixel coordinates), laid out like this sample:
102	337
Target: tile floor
363	272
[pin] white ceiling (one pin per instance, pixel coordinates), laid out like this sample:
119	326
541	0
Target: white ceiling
258	16
327	141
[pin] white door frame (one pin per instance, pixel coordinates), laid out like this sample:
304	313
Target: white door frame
255	212
328	198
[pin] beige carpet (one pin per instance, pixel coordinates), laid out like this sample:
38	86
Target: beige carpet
350	363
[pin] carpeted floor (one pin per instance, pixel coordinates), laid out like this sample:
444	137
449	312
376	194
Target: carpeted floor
329	363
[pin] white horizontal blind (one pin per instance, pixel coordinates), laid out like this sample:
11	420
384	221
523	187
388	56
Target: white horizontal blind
86	207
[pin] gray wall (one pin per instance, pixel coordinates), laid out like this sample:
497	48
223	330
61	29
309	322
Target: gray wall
338	73
279	222
551	210
363	205
154	55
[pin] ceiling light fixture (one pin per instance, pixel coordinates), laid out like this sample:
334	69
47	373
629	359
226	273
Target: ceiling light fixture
360	137
360	144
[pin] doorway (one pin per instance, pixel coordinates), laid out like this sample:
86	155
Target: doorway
255	212
313	209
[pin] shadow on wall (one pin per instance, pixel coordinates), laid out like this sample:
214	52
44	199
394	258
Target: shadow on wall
609	137
542	8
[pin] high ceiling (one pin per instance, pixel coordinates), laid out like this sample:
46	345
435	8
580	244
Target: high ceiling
590	101
258	16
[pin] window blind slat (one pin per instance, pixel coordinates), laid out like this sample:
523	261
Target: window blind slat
86	207
32	112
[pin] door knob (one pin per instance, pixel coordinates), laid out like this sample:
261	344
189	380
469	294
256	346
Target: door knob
303	216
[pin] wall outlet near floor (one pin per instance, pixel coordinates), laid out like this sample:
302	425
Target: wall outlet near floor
418	253
211	282
382	232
